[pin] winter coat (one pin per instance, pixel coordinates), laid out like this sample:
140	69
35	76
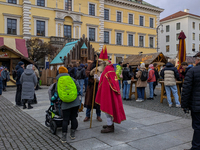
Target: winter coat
151	75
156	75
76	102
29	81
20	70
126	74
1	86
5	75
72	73
138	76
82	70
190	97
170	75
119	72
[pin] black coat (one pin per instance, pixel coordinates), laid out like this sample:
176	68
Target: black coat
126	74
170	66
190	97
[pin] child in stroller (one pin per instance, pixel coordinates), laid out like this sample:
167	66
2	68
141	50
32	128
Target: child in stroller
54	117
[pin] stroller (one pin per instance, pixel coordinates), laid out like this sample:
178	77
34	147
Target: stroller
54	117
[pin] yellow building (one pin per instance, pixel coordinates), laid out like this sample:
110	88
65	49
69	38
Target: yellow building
125	26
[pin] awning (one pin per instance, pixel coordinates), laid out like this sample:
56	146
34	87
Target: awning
17	45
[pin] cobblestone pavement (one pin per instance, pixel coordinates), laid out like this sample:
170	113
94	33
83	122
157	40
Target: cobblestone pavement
18	130
155	104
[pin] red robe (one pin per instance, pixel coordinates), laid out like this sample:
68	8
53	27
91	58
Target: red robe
108	95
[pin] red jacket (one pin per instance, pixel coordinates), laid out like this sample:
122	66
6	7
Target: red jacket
152	77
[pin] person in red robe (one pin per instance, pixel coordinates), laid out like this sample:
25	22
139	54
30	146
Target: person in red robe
109	98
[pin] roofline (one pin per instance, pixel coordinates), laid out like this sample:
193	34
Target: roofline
177	18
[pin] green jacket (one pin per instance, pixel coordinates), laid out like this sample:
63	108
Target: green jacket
119	72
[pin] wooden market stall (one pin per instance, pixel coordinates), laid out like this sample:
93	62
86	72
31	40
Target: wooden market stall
11	52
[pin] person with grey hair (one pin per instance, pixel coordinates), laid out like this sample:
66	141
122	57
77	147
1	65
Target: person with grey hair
29	81
190	100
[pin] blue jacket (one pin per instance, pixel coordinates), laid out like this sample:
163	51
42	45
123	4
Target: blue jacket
20	70
5	74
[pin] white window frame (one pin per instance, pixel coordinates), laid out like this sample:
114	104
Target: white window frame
109	13
153	22
143	20
95	12
45	3
153	42
133	38
109	35
139	39
12	3
121	15
72	5
116	37
12	17
90	26
128	17
35	26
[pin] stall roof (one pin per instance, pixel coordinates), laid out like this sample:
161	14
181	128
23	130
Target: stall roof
135	60
66	49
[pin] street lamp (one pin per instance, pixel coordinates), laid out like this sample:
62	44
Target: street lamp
160	25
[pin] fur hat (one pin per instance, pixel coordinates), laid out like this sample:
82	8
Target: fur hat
62	70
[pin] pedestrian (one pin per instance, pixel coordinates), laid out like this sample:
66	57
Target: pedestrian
190	100
119	73
185	67
141	85
80	76
86	79
126	82
29	81
5	75
170	75
72	71
20	69
155	65
69	108
151	80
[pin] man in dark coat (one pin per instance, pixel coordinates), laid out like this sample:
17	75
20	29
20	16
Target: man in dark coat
5	75
20	69
190	100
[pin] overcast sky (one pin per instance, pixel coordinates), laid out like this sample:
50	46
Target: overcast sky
173	6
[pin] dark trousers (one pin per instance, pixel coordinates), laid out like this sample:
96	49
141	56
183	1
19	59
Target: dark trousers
4	84
86	83
196	127
18	94
154	86
69	114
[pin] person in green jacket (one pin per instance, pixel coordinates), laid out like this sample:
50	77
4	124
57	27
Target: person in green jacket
119	72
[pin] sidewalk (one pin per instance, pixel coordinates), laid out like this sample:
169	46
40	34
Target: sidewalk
143	129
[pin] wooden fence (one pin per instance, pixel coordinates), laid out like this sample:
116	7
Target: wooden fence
48	76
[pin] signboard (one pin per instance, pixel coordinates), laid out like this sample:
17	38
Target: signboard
4	55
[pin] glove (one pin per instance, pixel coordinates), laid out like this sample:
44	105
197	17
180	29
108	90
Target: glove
186	110
96	76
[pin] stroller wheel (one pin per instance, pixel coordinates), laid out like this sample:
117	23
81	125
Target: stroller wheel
47	121
53	127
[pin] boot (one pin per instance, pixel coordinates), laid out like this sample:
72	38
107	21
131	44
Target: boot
64	137
105	126
99	119
24	106
86	119
29	106
72	134
108	129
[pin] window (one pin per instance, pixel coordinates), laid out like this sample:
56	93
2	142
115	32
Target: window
141	21
92	9
178	26
177	47
41	3
193	25
119	16
91	34
68	5
167	48
177	35
130	18
106	14
167	28
151	42
141	41
167	38
151	22
130	40
106	37
119	39
193	36
40	28
12	26
67	31
193	47
12	1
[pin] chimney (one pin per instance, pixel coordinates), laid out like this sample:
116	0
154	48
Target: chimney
186	10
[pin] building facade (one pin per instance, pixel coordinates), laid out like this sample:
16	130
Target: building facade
125	26
172	26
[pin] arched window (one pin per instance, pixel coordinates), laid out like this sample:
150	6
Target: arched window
68	5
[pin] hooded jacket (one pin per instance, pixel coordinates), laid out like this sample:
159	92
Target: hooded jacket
20	70
152	76
118	71
80	70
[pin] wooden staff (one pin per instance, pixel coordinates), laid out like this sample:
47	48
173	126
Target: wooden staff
95	81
